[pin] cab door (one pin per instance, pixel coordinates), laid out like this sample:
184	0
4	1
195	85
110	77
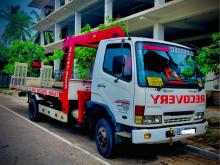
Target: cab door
116	84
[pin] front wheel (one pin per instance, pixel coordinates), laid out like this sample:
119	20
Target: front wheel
104	136
33	110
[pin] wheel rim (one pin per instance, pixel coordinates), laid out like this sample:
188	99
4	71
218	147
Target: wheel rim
101	138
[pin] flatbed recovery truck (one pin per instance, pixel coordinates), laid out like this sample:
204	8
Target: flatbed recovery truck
138	91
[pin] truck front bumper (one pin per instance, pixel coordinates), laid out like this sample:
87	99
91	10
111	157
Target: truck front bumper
167	134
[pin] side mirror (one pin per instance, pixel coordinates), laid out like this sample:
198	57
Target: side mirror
118	64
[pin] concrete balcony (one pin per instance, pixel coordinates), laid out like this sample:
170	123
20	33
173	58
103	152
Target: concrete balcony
172	13
169	12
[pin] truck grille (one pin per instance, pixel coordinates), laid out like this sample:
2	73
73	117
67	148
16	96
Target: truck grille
175	120
181	113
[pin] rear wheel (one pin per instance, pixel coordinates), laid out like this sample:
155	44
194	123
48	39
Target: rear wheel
105	140
33	112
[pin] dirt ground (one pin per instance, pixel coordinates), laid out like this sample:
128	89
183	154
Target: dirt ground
211	139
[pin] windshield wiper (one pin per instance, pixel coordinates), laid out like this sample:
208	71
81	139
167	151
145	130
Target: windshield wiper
171	82
181	82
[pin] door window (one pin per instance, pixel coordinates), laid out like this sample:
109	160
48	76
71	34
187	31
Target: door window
117	61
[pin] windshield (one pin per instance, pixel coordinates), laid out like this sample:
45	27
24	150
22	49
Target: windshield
165	65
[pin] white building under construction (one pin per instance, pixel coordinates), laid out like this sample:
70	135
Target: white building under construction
188	22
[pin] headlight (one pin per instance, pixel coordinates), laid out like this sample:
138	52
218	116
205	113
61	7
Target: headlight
199	115
155	119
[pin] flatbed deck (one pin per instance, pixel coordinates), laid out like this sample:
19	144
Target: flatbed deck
54	92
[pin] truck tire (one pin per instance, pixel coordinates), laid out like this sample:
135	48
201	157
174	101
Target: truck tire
104	136
33	112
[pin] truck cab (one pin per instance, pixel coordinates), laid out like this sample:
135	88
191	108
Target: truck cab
150	89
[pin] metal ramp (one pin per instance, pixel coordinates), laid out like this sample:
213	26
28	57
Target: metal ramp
46	76
20	76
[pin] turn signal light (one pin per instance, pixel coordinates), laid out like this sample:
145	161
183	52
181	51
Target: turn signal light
147	136
138	119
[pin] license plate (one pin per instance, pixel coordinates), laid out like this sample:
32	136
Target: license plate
184	131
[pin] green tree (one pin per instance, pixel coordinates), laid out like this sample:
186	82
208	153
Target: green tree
3	57
115	22
25	52
18	24
57	54
208	57
85	56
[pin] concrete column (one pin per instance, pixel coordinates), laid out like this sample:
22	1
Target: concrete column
77	23
57	31
158	2
57	4
209	86
42	13
67	1
108	9
75	74
56	68
158	32
42	38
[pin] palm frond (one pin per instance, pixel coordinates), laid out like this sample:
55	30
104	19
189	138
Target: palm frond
4	15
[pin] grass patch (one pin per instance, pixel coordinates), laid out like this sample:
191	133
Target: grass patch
214	122
6	91
212	135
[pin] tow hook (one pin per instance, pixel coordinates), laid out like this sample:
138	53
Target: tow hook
171	136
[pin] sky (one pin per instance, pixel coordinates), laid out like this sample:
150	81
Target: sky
23	5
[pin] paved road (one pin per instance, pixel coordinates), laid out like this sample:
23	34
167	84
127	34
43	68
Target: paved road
52	142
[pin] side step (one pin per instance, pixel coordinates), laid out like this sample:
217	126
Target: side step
124	134
53	113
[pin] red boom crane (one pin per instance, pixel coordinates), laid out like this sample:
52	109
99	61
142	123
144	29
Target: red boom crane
90	40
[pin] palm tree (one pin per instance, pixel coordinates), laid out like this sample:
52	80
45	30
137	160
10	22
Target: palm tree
48	35
18	24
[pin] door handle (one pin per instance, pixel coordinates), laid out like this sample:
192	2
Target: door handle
101	85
